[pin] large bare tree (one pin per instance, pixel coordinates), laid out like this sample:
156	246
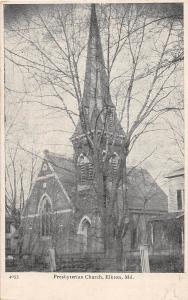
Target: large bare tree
143	59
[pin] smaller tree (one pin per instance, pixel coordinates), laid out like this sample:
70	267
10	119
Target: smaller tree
19	180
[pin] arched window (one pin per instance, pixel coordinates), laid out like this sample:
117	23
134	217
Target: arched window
90	171
110	117
45	216
86	168
114	163
82	159
83	229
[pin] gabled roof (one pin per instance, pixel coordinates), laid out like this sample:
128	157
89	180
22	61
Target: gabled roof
60	172
64	168
141	185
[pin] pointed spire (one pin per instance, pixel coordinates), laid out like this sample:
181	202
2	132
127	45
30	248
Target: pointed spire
96	86
96	95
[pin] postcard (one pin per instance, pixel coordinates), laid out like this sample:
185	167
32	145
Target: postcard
93	110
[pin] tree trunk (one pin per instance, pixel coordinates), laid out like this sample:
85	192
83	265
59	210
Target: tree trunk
119	254
143	236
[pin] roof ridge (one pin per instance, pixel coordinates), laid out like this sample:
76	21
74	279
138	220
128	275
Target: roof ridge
58	155
48	153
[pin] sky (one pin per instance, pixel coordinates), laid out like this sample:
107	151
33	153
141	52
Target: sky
37	129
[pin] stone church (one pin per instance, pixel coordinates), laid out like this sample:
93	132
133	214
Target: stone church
61	211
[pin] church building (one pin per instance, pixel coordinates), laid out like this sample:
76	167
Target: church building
62	211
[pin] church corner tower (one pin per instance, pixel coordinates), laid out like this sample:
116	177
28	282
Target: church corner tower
98	108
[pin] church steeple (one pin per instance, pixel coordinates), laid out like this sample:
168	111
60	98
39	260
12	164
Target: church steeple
96	100
96	86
